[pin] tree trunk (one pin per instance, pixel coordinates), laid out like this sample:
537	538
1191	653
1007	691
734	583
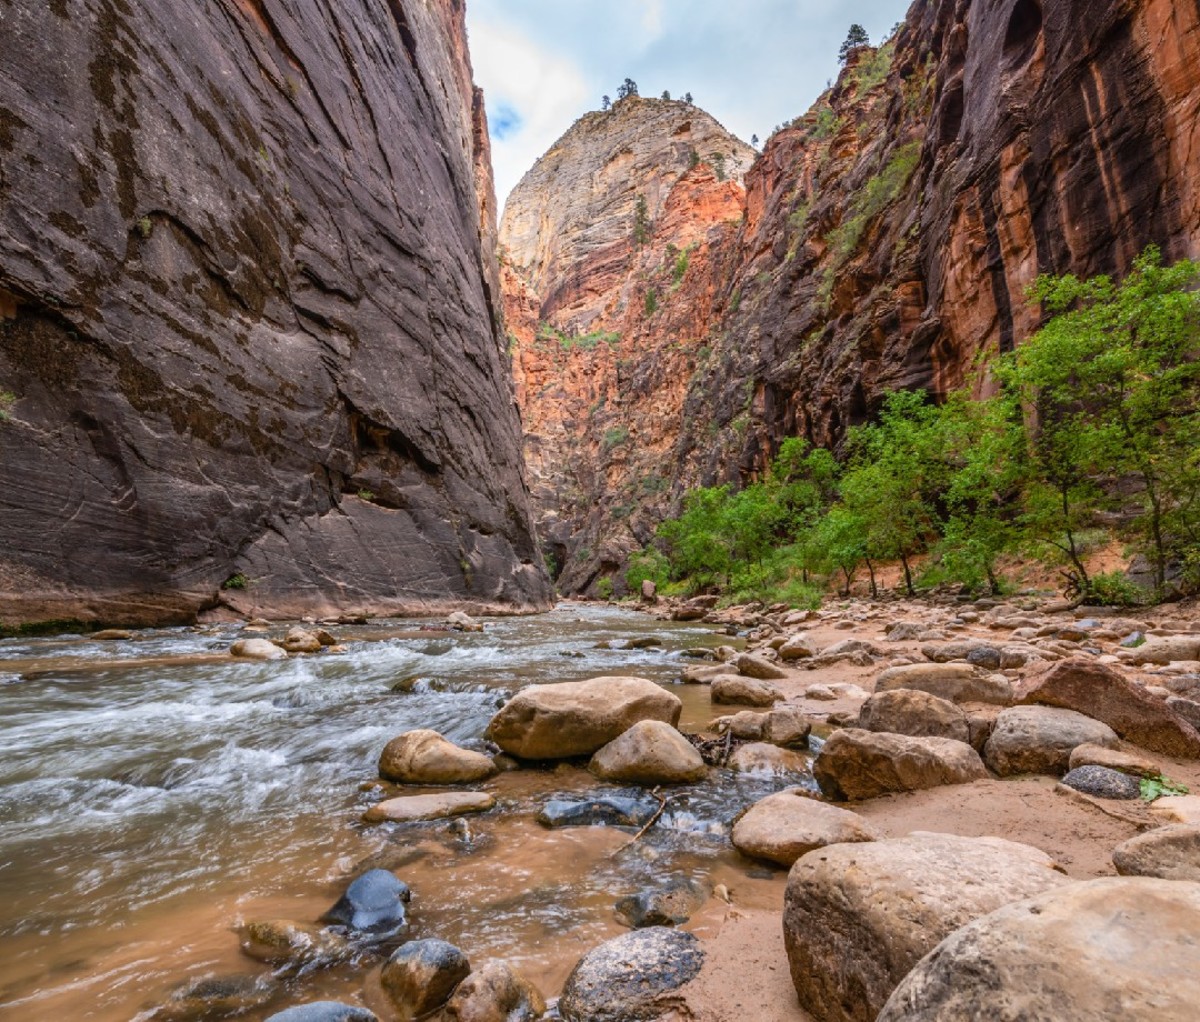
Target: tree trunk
871	572
908	583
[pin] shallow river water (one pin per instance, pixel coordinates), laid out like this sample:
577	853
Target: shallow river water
154	793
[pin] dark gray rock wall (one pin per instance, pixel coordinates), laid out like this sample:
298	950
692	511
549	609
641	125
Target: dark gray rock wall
246	327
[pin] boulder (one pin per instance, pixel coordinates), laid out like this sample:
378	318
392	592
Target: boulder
904	631
958	683
425	757
1164	649
979	654
421	975
649	753
1178	809
1088	952
750	666
374	907
1039	740
111	635
494	993
461	622
856	764
1101	782
1169	853
857	918
256	649
323	1011
649	591
702	674
1114	759
608	811
784	826
746	725
787	726
669	905
796	647
820	693
217	997
742	691
905	711
411	808
1106	695
300	640
632	977
1187	709
285	942
762	758
577	718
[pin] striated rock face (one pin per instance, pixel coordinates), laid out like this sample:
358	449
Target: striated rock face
245	321
885	240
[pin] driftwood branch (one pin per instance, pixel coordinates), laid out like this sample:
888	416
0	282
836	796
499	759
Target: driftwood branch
662	805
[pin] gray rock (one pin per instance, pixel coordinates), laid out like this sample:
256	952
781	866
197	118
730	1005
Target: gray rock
324	1011
607	811
958	683
856	764
218	997
1039	740
375	906
669	905
421	975
912	712
1170	853
1102	782
630	978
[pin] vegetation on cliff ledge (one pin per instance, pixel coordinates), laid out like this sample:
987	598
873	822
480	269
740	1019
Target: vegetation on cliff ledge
1094	431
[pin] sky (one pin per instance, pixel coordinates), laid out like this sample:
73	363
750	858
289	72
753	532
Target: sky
752	64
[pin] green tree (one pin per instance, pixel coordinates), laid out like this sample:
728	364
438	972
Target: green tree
626	89
842	535
856	38
666	94
605	103
641	222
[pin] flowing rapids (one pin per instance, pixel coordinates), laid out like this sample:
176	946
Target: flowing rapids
155	792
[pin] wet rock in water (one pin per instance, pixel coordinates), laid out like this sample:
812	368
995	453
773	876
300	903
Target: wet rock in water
1040	739
651	752
762	758
111	635
610	811
857	764
494	993
665	906
256	649
746	725
1108	696
325	638
299	640
784	826
412	808
1169	853
425	757
421	976
572	654
911	712
959	683
750	666
1101	782
736	690
461	622
858	917
644	642
374	907
702	674
632	977
324	1011
1103	949
1114	759
285	942
217	997
578	718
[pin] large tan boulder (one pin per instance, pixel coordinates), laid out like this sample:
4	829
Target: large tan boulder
412	808
784	826
256	649
651	752
796	647
425	757
1165	649
858	917
1040	740
959	683
577	718
766	759
1169	853
1106	695
857	764
1089	952
752	666
736	690
908	711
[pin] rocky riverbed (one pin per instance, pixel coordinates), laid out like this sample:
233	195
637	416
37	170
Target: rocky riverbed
461	820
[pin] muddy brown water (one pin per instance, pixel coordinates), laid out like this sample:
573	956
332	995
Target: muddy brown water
155	793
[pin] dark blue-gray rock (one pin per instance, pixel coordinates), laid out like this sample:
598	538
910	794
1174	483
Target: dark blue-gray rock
324	1011
374	906
611	811
985	656
629	978
217	997
1103	782
668	905
421	976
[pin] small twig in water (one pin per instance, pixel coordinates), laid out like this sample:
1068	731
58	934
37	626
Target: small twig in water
662	805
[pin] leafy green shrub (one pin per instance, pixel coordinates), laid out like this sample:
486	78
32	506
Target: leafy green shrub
873	70
1160	786
7	400
650	564
827	124
615	437
680	267
651	303
1113	589
238	581
604	588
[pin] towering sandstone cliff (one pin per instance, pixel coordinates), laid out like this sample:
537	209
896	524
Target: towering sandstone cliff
246	329
884	240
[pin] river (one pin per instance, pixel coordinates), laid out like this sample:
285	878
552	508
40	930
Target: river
155	792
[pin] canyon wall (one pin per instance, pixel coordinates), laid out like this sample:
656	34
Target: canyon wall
250	345
883	240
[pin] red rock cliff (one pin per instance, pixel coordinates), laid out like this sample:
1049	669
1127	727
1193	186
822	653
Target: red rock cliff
247	327
885	241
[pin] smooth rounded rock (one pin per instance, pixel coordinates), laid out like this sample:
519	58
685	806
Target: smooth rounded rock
324	1011
494	993
256	649
630	978
425	757
649	753
751	666
1169	853
300	640
736	690
796	647
1096	951
856	764
784	826
915	713
286	942
421	976
411	808
1040	739
605	811
578	718
959	683
669	905
766	759
374	906
1114	759
1100	782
